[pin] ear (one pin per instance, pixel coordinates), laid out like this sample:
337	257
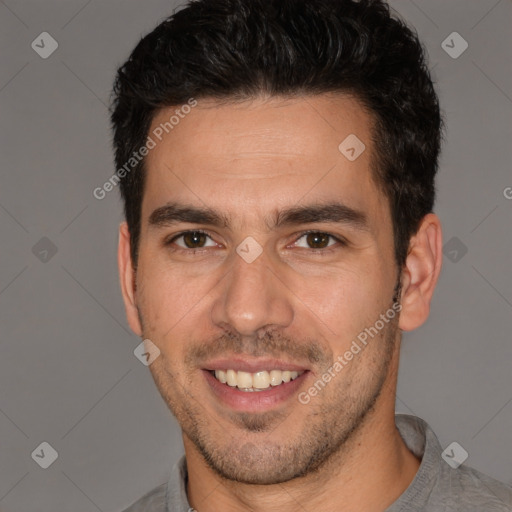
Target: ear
127	278
421	272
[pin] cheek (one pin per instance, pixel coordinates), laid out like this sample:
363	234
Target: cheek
344	302
170	299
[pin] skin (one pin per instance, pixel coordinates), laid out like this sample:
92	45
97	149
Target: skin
341	451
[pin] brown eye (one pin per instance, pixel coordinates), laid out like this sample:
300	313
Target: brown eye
317	240
192	240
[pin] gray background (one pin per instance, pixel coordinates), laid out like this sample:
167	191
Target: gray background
68	375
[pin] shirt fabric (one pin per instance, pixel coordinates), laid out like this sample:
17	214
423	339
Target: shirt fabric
437	487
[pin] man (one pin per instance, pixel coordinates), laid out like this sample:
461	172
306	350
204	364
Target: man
277	161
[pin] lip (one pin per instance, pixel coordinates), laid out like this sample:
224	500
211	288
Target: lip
256	401
253	365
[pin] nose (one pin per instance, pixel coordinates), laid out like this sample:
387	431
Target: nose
251	298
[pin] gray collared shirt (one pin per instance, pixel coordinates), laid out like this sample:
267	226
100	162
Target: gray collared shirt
437	487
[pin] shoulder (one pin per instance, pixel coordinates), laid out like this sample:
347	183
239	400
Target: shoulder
153	501
441	486
469	490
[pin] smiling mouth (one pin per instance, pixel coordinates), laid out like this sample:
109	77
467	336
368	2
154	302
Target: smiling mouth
257	381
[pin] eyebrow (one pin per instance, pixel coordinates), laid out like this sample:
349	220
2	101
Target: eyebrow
173	213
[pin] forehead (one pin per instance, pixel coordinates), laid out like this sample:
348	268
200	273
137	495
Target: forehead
261	154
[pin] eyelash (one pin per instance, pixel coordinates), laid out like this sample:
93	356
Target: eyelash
341	241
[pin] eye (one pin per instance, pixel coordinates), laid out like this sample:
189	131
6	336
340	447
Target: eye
192	240
318	240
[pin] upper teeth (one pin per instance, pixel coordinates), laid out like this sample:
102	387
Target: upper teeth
258	380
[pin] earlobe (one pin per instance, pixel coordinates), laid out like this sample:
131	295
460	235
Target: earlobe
127	279
421	272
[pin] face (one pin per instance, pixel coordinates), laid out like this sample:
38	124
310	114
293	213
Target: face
264	255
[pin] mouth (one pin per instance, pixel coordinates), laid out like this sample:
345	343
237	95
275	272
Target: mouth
254	386
257	381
